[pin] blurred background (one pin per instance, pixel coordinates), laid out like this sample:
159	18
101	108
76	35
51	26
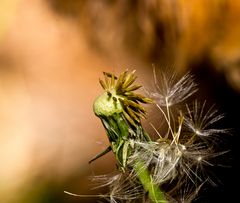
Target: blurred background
52	53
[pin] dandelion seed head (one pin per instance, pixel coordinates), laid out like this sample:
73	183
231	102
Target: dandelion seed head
180	156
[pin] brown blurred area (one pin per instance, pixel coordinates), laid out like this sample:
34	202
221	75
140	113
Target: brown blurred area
180	32
51	56
48	82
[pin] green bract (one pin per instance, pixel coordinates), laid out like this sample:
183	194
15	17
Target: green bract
120	111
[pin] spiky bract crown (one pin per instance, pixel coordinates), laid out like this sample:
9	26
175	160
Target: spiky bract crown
121	90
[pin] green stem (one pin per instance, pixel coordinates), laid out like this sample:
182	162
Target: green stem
153	190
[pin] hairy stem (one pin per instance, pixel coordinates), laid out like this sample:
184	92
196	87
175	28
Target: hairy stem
153	190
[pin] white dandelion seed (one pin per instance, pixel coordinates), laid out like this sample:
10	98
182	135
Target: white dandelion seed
187	193
123	187
197	163
200	122
170	91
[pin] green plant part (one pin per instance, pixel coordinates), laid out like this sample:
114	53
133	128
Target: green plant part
120	111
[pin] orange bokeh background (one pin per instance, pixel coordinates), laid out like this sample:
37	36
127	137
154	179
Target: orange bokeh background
51	56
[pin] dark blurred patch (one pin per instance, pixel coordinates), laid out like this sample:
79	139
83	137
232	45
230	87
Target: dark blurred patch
215	88
141	28
7	64
70	8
